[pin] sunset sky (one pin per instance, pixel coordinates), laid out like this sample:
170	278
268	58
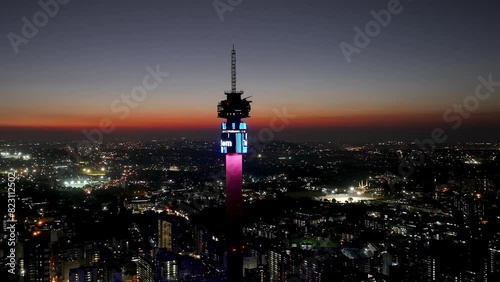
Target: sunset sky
428	58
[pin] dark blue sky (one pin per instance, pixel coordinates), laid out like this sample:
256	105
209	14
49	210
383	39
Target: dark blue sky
427	59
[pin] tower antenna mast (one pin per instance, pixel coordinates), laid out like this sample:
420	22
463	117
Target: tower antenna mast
233	70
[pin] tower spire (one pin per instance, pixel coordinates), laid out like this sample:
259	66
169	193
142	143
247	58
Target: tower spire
233	70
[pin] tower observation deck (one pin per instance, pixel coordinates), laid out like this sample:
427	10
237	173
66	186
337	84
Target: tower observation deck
233	109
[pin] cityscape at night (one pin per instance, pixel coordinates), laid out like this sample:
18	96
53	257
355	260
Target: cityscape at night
250	141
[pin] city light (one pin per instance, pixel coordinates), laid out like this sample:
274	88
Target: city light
365	146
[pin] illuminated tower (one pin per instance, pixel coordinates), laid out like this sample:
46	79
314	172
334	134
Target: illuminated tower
234	143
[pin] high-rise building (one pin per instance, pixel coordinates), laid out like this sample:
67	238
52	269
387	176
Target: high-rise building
83	274
37	259
168	270
311	270
168	233
234	143
200	235
493	267
90	255
145	269
279	265
429	266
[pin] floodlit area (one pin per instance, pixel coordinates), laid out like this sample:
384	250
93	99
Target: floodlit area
342	198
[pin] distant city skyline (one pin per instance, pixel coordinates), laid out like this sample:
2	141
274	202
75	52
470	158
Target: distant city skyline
65	79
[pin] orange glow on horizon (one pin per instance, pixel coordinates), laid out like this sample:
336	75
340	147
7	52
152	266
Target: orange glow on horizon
258	120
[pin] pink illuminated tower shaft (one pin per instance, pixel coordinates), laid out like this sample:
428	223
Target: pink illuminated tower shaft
234	180
234	177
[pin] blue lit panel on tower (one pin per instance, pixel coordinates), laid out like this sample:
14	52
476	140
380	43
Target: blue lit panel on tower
234	138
